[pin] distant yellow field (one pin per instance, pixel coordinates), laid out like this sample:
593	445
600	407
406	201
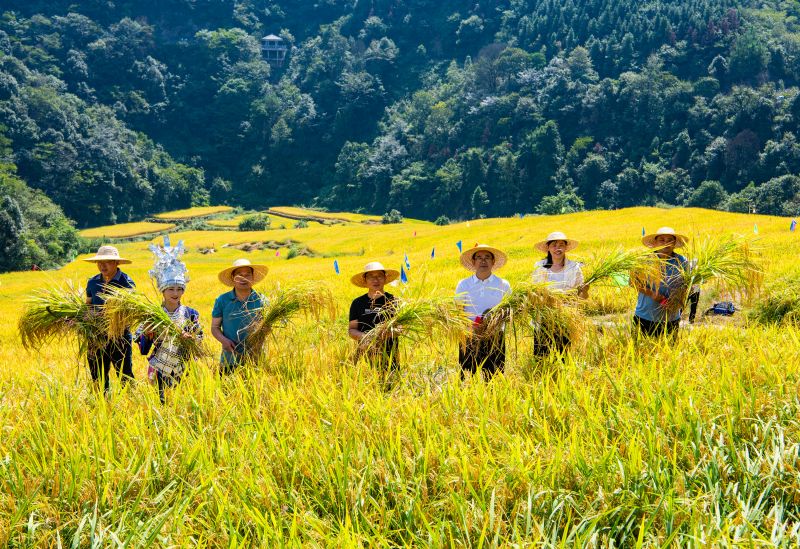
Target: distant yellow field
199	211
342	216
651	444
126	230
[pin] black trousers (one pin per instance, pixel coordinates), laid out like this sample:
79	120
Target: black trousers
544	345
163	381
655	329
694	300
117	353
486	353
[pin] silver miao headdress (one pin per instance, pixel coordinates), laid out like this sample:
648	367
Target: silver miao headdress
168	269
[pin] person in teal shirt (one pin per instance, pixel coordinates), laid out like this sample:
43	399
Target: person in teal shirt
235	310
654	316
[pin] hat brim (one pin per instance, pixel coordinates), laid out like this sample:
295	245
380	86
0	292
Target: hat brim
358	279
98	258
500	257
542	246
259	272
650	240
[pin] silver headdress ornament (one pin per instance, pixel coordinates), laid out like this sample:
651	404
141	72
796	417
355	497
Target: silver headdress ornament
168	269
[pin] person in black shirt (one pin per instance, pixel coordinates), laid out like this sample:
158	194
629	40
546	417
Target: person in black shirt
370	309
116	352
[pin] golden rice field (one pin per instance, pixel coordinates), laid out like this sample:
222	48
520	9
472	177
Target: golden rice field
190	213
127	230
342	216
622	444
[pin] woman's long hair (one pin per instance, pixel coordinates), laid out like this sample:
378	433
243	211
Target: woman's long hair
548	261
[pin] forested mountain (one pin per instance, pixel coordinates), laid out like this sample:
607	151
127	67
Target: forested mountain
116	109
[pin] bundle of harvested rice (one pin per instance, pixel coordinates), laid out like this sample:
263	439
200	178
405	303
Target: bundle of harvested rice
554	315
53	314
125	309
312	298
729	262
418	319
618	266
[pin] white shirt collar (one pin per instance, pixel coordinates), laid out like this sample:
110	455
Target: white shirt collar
476	280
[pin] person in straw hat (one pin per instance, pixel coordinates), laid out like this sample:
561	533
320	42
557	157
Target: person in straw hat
368	310
480	293
561	275
116	352
654	315
235	310
166	363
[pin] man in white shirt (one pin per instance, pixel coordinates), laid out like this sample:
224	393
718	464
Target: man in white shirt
479	293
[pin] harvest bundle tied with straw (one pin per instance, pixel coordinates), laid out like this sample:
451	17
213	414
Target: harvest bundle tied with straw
312	298
54	314
127	309
417	319
533	302
730	262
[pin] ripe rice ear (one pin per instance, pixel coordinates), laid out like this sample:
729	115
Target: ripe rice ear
57	314
125	309
312	298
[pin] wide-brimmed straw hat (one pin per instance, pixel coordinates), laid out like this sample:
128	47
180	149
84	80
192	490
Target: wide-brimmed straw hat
556	235
259	272
360	278
108	253
650	239
500	256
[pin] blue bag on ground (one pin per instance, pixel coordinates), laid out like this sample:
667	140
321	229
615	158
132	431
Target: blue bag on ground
724	308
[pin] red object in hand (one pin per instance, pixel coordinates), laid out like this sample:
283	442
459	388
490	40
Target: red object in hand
478	321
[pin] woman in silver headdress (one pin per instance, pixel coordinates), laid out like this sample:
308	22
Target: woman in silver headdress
166	361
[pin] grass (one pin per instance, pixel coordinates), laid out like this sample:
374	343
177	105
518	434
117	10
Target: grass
632	444
127	230
191	213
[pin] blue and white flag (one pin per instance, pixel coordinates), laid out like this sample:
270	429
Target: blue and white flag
793	225
433	252
403	275
642	231
459	245
405	260
336	266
